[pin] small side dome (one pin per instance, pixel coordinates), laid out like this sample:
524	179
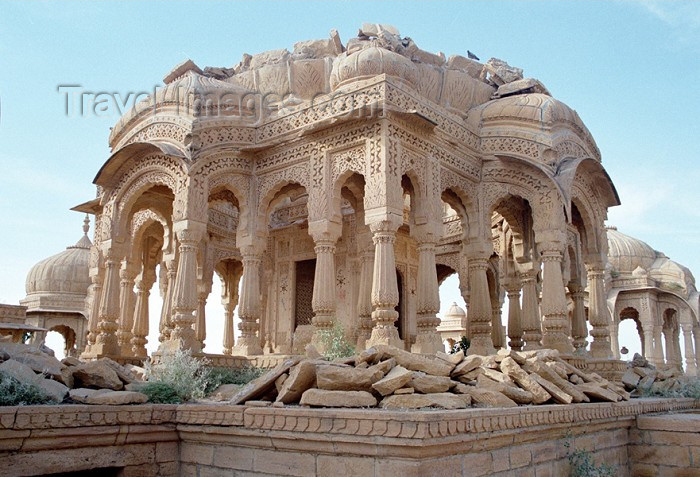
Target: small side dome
370	62
626	253
639	272
455	312
64	273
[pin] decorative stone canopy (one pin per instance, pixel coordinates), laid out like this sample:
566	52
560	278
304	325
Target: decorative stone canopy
65	273
626	253
453	320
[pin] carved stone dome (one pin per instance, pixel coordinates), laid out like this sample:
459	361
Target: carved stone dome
370	62
64	273
455	312
627	253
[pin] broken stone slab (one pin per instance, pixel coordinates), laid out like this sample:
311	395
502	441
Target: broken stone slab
427	384
471	67
370	355
383	366
491	361
557	368
646	382
314	49
71	361
557	394
417	362
523	86
453	359
117	398
489	398
223	393
417	401
644	371
404	391
98	375
279	382
334	378
467	365
548	373
501	72
517	357
497	376
53	389
335	39
20	371
373	29
80	395
263	384
639	361
301	377
258	403
124	373
630	379
331	398
587	378
598	392
395	379
520	396
513	369
40	362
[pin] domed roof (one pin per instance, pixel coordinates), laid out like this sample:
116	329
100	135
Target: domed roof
370	62
627	253
455	312
537	108
63	273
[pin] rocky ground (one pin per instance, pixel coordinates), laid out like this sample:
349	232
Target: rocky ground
70	380
643	378
391	378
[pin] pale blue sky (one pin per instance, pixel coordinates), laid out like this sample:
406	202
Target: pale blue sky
630	69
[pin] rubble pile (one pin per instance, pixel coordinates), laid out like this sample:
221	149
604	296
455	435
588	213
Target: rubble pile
644	378
103	381
390	378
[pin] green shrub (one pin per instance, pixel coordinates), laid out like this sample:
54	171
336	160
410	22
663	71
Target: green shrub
582	464
17	393
219	376
186	375
161	393
334	344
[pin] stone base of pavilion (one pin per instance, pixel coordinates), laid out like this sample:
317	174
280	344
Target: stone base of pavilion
220	439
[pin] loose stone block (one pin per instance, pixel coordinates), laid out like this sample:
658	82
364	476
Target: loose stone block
417	401
395	379
327	398
334	378
426	384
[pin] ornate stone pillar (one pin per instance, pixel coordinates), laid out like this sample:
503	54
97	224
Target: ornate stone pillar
553	306
648	343
185	293
428	340
463	275
532	329
496	326
94	311
515	330
385	291
106	344
249	306
201	324
229	341
165	324
140	327
127	274
598	313
479	301
579	330
325	234
364	298
690	366
658	349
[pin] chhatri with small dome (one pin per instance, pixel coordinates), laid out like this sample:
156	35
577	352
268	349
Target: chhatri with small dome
339	184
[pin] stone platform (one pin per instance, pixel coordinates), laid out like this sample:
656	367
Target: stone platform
218	440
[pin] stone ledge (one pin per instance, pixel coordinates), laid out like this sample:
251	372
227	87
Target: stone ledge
681	422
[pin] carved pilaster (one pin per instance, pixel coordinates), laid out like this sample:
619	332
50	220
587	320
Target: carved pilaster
140	327
385	291
428	340
480	313
579	330
690	366
127	304
364	298
598	313
553	306
532	328
515	330
106	344
249	306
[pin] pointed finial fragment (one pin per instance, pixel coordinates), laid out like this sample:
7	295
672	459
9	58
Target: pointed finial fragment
86	224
